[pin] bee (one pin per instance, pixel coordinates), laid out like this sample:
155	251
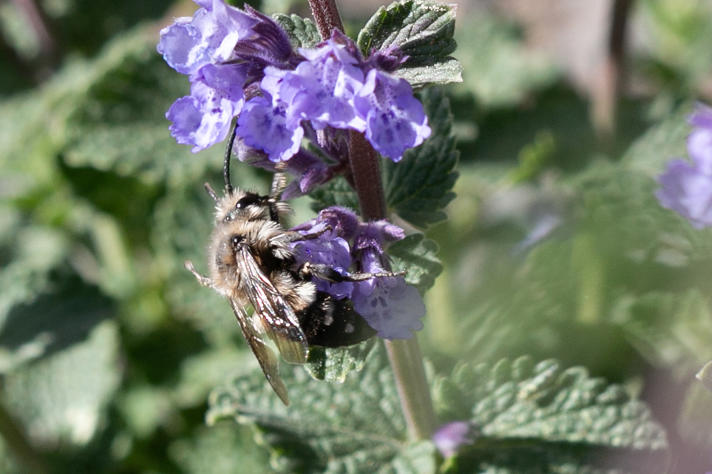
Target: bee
251	263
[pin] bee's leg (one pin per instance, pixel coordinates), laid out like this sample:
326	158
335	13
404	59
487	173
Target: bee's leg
294	236
203	280
325	272
279	182
274	200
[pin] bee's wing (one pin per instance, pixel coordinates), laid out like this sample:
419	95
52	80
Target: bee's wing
276	315
265	356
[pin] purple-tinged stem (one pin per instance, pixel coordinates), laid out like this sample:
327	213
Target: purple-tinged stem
404	355
610	76
326	16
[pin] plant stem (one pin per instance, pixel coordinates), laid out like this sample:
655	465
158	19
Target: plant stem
326	16
607	88
404	355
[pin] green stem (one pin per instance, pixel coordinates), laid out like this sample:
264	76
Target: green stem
404	355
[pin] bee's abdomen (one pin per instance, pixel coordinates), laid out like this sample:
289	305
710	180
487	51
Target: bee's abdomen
329	322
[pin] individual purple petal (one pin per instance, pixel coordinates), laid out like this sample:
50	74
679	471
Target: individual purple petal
688	191
209	36
266	127
182	45
390	306
395	120
228	79
343	221
450	436
702	116
372	235
186	117
203	118
699	147
269	45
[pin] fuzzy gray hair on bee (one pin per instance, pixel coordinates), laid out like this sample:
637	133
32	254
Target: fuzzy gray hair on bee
251	263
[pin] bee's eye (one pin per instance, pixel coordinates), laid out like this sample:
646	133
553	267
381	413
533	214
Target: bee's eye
248	199
236	239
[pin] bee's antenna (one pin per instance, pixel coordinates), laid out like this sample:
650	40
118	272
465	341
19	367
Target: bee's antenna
228	155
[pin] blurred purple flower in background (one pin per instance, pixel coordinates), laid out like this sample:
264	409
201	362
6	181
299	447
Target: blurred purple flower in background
686	187
450	436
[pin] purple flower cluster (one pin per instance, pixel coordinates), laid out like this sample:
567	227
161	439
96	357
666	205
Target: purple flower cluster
686	187
240	63
389	305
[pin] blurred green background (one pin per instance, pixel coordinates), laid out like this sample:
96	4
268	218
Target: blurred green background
554	246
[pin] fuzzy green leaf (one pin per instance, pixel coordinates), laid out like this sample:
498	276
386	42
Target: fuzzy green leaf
423	31
442	72
420	186
333	364
663	142
416	255
302	32
353	427
420	29
62	399
336	193
542	403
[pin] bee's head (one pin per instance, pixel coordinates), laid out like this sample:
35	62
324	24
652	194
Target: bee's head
241	205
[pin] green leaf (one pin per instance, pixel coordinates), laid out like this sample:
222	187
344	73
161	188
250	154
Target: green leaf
423	31
302	32
335	193
661	143
442	72
353	427
219	449
420	186
416	255
545	403
54	320
670	329
62	399
333	364
420	29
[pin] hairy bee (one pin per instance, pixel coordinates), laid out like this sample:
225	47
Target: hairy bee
251	263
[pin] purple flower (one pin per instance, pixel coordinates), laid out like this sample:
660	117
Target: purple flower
266	127
395	120
209	36
388	304
686	187
328	249
450	436
203	118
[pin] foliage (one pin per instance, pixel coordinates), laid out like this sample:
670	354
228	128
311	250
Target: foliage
111	354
